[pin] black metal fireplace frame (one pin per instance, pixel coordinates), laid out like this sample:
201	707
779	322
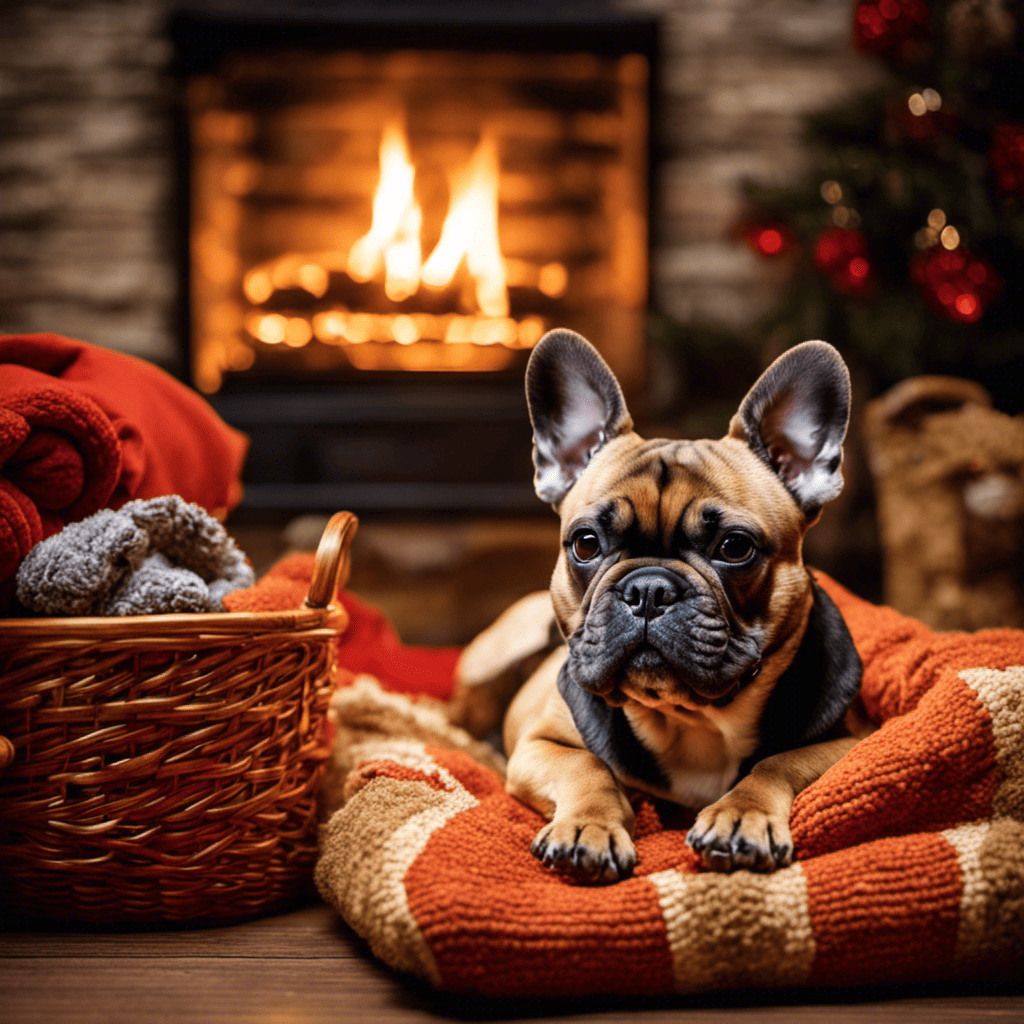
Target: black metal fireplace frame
203	35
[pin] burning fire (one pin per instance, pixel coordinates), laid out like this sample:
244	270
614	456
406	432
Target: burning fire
392	248
471	230
394	235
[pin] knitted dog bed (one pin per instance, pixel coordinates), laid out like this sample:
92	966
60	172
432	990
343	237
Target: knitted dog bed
910	851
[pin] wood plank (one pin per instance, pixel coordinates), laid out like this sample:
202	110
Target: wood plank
242	990
307	965
313	932
155	990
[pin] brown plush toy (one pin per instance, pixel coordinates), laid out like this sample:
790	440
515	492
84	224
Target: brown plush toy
949	477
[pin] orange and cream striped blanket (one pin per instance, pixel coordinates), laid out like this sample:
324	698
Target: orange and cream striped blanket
910	850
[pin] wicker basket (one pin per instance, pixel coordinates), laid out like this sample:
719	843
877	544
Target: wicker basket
164	768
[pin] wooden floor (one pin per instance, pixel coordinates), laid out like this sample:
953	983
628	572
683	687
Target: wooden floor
305	967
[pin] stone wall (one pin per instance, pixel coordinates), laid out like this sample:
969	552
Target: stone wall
87	162
738	79
85	174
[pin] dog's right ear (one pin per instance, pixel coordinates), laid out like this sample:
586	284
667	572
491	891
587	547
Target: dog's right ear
576	408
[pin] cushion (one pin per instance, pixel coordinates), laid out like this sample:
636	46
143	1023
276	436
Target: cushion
910	851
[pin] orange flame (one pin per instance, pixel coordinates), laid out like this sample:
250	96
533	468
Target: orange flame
394	235
470	230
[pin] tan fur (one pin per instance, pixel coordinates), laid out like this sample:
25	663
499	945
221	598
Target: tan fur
656	511
554	771
496	663
700	749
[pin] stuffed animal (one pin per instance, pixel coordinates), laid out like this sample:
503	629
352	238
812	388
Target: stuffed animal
949	477
148	557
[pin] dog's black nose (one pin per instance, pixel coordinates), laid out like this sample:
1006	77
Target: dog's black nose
649	592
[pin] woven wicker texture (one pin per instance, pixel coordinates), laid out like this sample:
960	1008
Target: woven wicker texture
910	851
166	767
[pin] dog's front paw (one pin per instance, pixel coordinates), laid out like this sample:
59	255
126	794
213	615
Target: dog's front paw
588	852
732	833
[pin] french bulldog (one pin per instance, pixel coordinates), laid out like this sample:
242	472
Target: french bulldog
701	663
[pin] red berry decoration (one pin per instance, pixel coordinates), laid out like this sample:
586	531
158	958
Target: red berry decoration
769	239
891	28
955	283
841	254
1006	155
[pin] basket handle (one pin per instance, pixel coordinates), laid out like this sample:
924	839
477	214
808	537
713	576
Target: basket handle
6	753
333	559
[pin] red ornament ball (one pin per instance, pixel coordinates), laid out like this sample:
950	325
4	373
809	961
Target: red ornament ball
769	239
955	283
891	28
1006	155
841	254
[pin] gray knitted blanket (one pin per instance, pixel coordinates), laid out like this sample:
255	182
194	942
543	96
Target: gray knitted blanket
148	557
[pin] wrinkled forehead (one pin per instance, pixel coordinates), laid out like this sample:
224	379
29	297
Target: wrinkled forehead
659	486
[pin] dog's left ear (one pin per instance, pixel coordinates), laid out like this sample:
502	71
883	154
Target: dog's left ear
795	418
576	408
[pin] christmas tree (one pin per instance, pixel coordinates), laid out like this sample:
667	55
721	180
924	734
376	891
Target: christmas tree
906	241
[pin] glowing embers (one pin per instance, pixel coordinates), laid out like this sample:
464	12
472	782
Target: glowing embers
336	326
417	341
384	297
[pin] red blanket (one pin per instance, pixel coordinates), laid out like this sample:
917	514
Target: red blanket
83	428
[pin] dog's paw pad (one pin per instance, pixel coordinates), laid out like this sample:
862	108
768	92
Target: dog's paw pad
731	837
587	852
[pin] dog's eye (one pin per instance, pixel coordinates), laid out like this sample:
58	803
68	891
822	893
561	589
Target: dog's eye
734	548
586	546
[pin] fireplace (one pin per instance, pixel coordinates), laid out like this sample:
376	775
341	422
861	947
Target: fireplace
386	208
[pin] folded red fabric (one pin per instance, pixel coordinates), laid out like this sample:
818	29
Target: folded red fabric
20	530
84	428
368	646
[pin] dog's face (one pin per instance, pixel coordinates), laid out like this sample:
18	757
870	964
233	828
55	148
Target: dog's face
680	578
680	571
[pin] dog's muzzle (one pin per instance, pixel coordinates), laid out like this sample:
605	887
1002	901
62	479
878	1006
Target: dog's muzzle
662	637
